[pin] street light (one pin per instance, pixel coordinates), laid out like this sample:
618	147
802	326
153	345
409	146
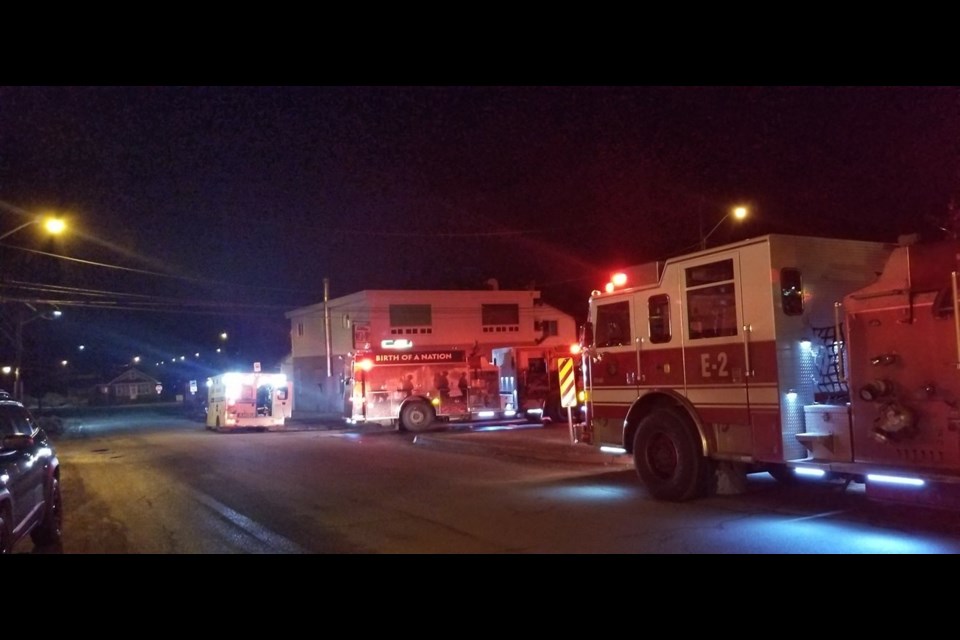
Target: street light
737	212
52	225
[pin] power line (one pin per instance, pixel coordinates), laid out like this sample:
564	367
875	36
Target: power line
146	272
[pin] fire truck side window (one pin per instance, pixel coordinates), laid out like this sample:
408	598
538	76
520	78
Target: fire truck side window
712	309
613	324
659	311
791	292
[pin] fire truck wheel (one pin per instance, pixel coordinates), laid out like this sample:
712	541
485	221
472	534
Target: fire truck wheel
668	457
416	416
552	409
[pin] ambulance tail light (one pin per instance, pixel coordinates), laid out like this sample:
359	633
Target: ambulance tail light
575	349
365	365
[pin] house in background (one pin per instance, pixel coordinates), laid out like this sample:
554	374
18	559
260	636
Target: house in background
478	321
129	387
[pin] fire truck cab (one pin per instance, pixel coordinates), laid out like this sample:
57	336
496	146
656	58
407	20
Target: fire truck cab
832	358
786	354
414	388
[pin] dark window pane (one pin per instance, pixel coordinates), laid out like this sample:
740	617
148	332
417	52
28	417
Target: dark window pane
659	311
613	324
712	311
410	315
710	273
791	292
500	314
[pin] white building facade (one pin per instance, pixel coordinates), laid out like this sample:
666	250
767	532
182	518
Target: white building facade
480	320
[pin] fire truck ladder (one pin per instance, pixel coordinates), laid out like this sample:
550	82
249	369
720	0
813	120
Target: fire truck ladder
831	388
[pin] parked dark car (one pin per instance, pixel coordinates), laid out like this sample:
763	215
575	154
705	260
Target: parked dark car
30	500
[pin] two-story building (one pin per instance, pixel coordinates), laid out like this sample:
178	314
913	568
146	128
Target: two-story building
473	320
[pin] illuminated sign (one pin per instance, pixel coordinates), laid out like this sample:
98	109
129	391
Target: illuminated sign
420	357
399	343
361	335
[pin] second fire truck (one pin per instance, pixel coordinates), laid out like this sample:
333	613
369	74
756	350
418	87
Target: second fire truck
821	357
413	388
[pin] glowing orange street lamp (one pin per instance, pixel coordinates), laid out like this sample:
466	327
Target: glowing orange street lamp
738	213
51	224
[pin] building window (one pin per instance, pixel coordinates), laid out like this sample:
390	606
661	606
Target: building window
500	318
502	314
546	327
409	319
410	315
300	329
345	320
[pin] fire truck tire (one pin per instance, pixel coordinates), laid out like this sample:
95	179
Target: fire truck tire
552	409
416	416
668	457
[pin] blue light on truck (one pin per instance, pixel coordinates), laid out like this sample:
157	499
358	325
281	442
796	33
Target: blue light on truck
810	472
901	480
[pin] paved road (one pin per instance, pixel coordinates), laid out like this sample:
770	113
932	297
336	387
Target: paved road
166	486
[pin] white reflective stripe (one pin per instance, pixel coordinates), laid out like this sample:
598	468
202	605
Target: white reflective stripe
248	526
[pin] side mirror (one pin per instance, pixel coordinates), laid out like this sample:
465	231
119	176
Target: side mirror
16	442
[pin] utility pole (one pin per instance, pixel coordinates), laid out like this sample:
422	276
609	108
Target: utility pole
18	362
326	326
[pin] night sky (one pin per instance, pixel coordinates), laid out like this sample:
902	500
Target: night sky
227	206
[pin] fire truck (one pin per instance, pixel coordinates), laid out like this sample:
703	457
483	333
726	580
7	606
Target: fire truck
797	356
530	374
242	400
414	388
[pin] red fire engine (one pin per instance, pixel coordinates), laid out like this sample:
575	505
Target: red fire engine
530	373
786	354
413	388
